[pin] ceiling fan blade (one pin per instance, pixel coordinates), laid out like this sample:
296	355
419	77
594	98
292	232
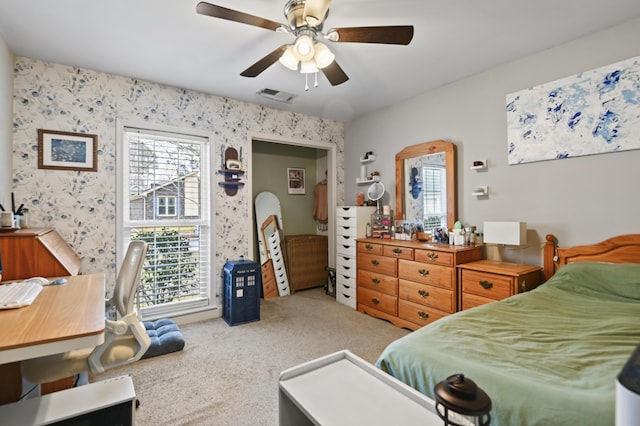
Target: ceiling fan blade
335	74
399	34
209	9
264	63
315	11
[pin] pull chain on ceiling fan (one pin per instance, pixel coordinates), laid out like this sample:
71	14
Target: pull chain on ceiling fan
305	19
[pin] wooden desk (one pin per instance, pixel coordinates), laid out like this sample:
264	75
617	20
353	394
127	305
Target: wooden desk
62	318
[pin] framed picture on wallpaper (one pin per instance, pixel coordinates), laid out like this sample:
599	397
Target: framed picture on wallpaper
295	181
67	151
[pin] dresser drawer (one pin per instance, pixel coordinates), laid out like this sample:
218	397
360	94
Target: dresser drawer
418	314
345	245
485	284
427	295
422	273
471	301
346	280
379	264
378	282
346	222
370	248
398	252
350	211
346	299
375	299
344	271
434	257
347	262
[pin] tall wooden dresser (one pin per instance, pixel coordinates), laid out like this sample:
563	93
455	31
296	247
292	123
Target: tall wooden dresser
409	283
351	223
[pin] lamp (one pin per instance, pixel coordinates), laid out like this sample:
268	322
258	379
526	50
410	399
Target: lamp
459	398
507	233
307	55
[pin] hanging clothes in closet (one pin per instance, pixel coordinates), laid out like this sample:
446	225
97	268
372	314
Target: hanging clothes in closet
321	206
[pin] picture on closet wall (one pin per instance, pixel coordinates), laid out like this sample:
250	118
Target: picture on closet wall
67	151
295	181
596	111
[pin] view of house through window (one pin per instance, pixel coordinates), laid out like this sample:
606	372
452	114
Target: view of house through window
166	194
434	196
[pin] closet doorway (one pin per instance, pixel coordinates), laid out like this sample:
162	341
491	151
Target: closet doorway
269	160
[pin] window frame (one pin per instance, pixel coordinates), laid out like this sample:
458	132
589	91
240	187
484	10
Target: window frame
124	225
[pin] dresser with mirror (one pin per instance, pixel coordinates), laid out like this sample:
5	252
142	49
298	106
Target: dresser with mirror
413	283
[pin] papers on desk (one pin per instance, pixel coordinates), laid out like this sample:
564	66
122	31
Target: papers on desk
19	294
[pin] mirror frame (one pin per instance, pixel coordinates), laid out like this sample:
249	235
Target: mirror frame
427	148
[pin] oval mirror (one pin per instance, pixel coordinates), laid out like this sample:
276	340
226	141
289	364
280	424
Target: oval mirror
426	184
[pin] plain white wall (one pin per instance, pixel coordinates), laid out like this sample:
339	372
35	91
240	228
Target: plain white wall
581	200
6	120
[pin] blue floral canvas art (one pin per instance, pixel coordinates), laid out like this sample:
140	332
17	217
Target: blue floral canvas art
594	112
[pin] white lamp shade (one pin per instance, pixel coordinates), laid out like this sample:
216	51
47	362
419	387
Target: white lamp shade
288	59
308	67
303	48
324	56
508	233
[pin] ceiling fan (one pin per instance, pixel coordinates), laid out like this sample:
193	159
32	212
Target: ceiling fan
305	19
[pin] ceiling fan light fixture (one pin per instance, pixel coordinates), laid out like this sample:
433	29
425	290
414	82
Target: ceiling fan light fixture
303	48
308	67
324	57
288	59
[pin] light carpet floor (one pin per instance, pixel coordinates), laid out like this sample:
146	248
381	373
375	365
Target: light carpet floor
229	375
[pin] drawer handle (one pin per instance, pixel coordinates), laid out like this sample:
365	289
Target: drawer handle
423	272
375	300
368	247
432	256
423	293
423	315
397	251
375	262
375	281
486	284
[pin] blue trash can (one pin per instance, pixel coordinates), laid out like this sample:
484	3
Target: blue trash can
242	284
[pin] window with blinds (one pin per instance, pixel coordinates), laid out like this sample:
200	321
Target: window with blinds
434	196
165	202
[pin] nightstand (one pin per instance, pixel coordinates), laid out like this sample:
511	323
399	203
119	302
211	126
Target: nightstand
486	281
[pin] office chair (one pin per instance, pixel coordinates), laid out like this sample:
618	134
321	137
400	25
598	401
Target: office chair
125	341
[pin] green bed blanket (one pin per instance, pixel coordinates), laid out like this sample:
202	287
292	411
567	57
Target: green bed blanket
546	357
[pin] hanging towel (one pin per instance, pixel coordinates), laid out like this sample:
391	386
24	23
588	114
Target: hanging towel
321	208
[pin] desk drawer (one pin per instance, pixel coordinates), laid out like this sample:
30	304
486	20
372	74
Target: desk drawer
492	286
419	272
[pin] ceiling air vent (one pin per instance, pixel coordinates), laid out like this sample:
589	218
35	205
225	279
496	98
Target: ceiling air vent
276	95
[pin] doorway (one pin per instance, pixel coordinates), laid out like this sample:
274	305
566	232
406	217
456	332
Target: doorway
324	156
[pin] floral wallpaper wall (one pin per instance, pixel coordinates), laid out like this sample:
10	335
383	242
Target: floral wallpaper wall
81	206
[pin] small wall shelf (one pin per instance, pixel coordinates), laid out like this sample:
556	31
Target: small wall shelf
231	181
364	181
479	165
369	159
481	191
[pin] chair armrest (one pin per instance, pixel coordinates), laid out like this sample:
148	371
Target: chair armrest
130	324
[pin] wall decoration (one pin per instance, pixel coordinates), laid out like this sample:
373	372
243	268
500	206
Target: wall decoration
67	151
597	111
295	181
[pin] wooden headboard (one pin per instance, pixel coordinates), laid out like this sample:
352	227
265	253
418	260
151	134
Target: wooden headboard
620	249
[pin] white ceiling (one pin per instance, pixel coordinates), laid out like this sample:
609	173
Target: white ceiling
165	41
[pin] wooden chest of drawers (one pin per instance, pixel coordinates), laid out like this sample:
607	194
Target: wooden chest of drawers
487	281
409	283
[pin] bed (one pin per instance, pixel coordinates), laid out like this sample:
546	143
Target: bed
546	357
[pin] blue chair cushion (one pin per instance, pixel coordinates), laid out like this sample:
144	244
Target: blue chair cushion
165	337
